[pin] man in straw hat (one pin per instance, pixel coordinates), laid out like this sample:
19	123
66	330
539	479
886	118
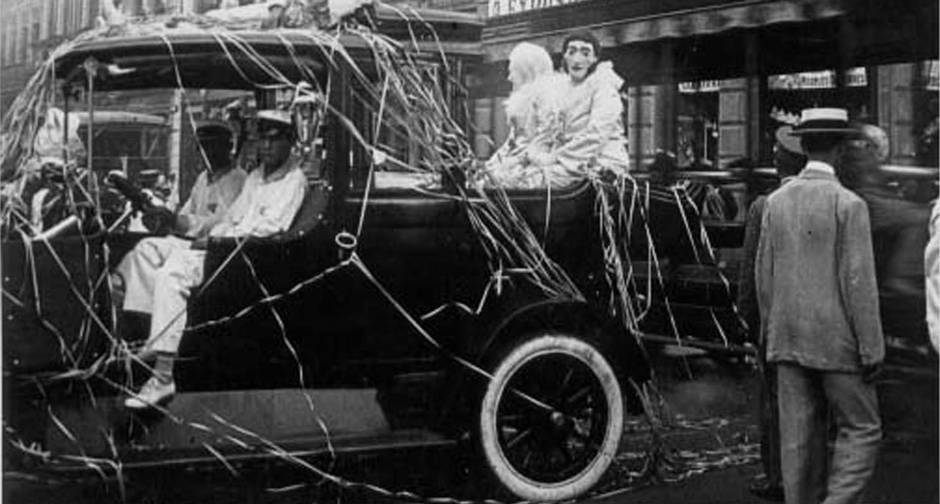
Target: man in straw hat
270	198
818	304
789	161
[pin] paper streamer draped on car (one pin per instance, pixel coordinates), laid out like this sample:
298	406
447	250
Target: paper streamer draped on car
406	101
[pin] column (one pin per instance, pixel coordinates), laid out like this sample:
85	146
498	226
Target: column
895	110
757	90
649	105
665	106
732	120
483	119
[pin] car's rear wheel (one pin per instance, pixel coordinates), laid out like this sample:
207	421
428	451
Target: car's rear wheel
551	418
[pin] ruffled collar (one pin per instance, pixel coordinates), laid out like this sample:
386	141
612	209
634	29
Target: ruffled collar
603	76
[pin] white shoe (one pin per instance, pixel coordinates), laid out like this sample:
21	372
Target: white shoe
153	393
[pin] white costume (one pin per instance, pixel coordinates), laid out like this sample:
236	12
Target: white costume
532	113
591	128
570	128
205	207
266	206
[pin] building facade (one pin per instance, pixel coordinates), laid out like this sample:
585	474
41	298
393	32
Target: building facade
29	29
710	80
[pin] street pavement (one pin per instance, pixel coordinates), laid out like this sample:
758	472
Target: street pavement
707	453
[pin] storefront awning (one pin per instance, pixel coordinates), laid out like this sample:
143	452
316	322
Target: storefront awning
502	35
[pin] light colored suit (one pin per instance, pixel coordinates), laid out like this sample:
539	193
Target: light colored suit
818	304
815	276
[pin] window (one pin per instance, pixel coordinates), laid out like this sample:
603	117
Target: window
23	41
7	44
34	35
53	18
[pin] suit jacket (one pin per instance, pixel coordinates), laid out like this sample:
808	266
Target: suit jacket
815	276
747	289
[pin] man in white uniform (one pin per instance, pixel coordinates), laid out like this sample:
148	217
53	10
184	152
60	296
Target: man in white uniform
269	200
214	191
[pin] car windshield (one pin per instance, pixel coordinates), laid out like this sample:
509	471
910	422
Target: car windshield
149	135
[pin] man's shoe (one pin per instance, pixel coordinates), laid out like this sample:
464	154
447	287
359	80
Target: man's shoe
153	393
763	488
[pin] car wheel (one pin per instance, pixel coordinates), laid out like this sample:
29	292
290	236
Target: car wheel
558	452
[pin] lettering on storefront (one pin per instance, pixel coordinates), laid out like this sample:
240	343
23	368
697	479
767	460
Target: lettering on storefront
824	79
507	7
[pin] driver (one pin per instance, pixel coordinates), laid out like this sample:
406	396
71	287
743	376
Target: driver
214	191
269	200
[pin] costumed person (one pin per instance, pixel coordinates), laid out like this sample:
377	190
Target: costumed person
532	113
591	136
788	161
215	190
269	200
818	302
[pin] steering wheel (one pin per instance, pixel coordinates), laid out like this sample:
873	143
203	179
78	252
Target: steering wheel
157	219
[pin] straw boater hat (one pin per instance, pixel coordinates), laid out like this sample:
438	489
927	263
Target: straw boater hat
785	138
824	121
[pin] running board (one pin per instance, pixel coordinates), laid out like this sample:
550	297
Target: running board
202	427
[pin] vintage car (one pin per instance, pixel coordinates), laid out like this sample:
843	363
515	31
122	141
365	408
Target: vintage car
379	319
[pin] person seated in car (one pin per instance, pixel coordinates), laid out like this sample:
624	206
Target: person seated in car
213	193
531	112
591	133
270	198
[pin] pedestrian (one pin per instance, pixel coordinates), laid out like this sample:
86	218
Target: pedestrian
818	303
788	161
899	225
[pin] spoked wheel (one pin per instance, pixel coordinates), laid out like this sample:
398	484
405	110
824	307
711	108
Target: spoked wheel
551	418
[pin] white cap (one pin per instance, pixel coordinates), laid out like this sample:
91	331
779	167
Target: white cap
276	3
273	115
824	114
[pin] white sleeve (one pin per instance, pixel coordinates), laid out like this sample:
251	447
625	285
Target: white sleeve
236	212
280	213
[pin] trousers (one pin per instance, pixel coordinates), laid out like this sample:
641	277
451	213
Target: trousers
183	271
769	420
139	267
805	397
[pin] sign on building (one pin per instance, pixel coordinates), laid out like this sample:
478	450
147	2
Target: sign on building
507	7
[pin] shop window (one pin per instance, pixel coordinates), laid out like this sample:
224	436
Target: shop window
697	125
926	113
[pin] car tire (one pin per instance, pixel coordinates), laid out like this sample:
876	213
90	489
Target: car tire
554	454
